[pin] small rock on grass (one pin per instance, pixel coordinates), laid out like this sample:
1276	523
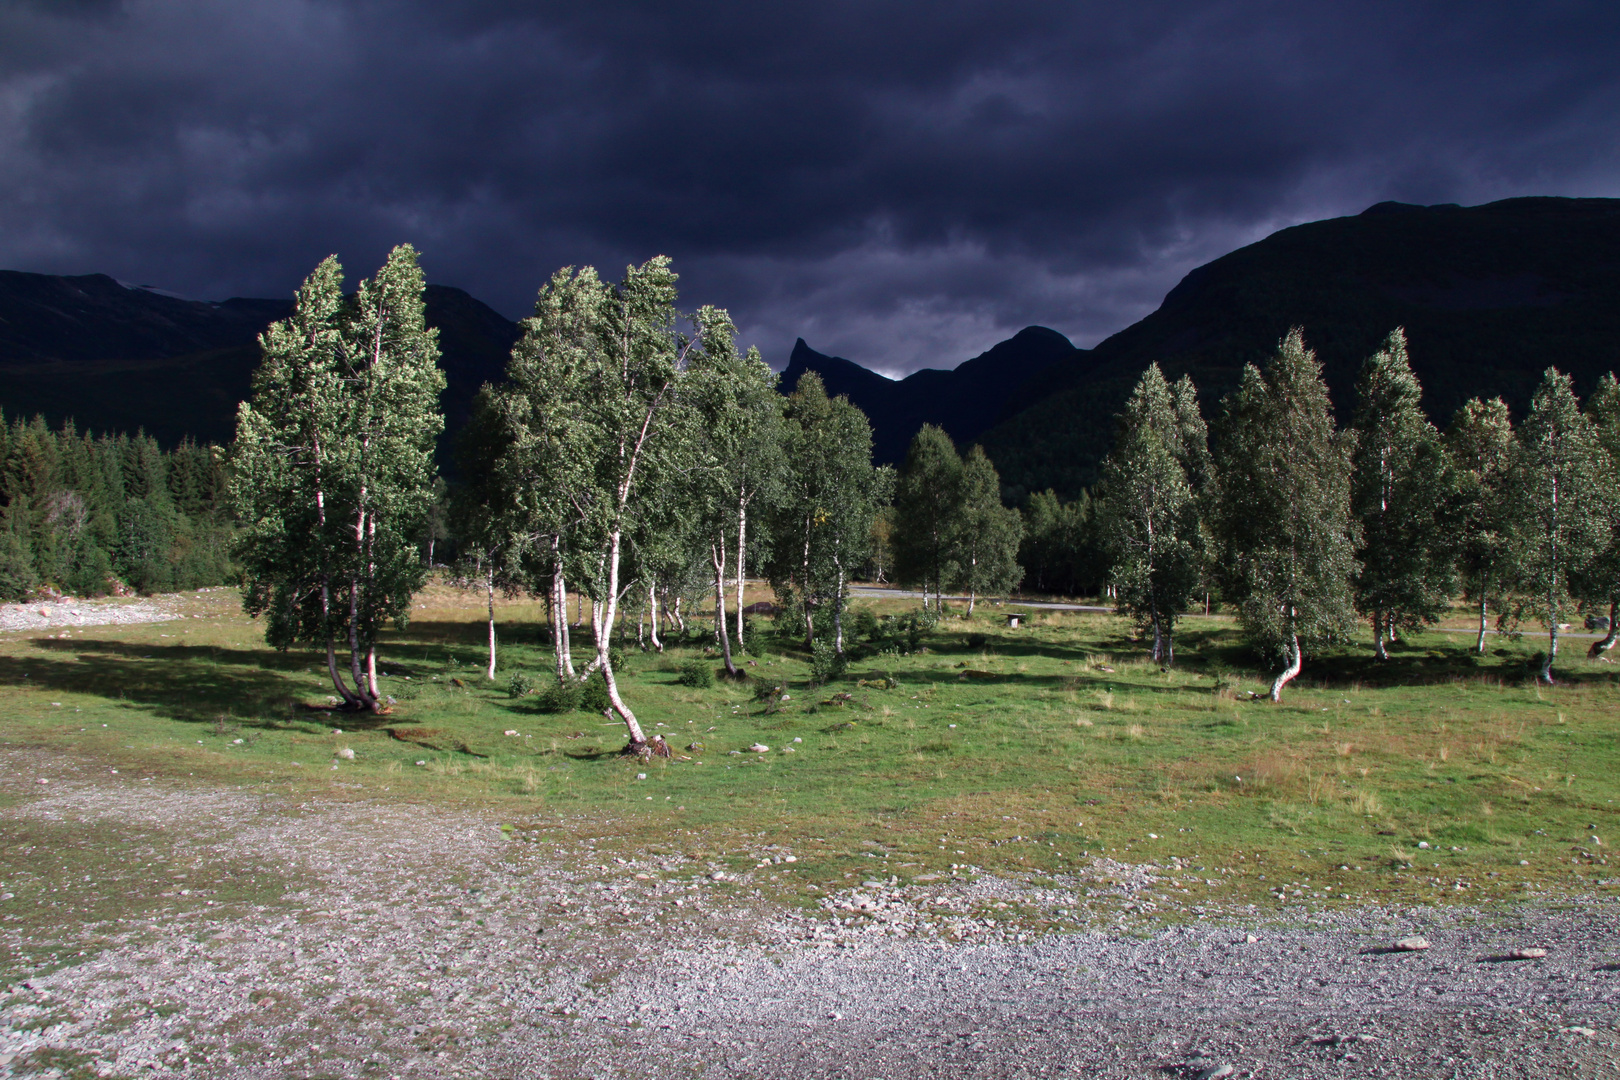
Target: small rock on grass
1411	944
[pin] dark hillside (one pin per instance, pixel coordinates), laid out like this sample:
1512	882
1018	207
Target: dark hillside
1490	296
964	401
116	358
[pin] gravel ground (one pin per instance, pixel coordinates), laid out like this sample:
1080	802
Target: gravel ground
72	613
398	941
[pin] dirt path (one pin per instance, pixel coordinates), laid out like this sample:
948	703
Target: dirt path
154	930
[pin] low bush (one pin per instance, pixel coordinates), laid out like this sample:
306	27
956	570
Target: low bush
561	697
593	696
697	673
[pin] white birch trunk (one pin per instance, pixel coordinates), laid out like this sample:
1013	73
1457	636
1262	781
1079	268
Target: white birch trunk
742	562
489	588
717	553
652	604
1295	661
1607	642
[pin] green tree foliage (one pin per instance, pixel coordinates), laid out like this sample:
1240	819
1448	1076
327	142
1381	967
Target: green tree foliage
1400	495
1148	512
1060	552
739	463
822	526
1479	442
1599	580
334	465
1287	541
927	505
1560	508
482	511
985	534
548	447
87	514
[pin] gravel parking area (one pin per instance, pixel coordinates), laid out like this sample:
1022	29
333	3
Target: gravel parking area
157	930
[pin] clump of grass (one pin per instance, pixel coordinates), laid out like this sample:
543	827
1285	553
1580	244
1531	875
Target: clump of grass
1365	803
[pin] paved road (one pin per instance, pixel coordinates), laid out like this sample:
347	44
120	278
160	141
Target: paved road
1044	605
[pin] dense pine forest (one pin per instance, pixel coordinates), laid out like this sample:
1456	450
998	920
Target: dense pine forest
90	514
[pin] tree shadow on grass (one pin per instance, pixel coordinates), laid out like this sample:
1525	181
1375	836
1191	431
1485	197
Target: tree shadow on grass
189	683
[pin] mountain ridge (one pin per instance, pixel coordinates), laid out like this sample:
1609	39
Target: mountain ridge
963	400
176	367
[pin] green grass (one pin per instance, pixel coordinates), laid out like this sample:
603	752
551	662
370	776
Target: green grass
1036	751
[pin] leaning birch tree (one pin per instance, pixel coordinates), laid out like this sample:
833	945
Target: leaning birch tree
1283	520
284	475
335	465
1600	581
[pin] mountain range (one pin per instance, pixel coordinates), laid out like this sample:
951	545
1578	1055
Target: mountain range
116	357
1489	296
964	401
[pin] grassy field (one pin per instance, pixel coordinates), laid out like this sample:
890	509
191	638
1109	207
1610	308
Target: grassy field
1437	776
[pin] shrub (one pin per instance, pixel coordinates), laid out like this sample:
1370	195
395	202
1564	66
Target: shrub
697	673
753	638
561	697
593	696
520	685
825	663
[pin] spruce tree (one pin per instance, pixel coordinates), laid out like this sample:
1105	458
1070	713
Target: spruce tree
1286	537
1560	508
1479	441
1400	494
927	506
985	535
1148	512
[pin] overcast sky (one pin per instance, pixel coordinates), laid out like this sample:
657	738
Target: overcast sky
901	184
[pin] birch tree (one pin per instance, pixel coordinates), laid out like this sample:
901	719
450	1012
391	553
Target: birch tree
1148	511
335	465
927	506
1600	579
482	510
389	362
823	524
284	475
739	435
1560	513
1286	537
1479	441
985	534
546	463
1400	495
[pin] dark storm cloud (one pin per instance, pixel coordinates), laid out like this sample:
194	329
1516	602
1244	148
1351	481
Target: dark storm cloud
904	184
